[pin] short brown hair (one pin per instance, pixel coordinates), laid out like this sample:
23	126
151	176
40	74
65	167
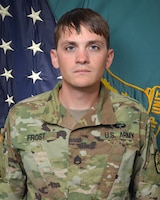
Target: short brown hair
82	16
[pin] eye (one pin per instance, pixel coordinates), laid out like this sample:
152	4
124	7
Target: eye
94	47
70	48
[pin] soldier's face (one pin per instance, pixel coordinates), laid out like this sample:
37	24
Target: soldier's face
82	58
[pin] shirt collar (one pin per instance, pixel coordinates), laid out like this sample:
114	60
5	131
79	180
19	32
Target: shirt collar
55	113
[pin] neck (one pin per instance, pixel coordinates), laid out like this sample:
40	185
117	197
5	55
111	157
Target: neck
79	99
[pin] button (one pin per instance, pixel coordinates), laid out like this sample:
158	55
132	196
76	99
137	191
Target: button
77	160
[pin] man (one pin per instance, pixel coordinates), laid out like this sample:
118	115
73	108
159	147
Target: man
79	141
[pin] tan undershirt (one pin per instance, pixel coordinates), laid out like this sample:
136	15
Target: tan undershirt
77	114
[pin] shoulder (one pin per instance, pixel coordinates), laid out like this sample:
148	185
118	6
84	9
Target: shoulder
35	99
38	100
30	105
126	101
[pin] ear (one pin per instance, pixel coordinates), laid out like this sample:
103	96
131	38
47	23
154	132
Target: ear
109	58
54	58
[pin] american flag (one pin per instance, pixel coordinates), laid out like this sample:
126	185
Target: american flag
26	38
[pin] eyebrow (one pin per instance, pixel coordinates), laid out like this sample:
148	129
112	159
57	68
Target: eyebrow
96	42
90	42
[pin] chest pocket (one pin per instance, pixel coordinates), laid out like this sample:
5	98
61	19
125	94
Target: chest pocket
44	147
44	156
120	145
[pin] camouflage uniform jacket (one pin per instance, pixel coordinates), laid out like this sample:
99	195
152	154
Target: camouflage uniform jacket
102	156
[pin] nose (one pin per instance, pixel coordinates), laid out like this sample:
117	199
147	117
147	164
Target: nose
82	56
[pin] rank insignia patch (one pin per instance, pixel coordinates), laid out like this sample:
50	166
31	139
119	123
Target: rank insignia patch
157	161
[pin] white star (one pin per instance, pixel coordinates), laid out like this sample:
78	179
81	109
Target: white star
5	46
9	100
59	77
7	74
35	15
4	12
35	47
35	76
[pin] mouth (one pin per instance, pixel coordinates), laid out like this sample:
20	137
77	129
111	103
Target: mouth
82	71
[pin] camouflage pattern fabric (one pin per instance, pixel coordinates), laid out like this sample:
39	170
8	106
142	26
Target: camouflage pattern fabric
108	154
